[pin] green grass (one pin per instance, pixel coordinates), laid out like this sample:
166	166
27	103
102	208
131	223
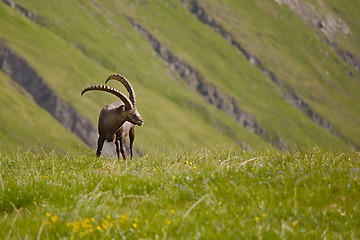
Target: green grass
72	69
223	65
204	193
78	44
20	129
182	187
299	57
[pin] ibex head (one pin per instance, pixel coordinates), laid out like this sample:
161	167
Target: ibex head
134	117
131	92
128	109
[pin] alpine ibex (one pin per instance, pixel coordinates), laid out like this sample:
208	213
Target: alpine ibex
127	128
113	116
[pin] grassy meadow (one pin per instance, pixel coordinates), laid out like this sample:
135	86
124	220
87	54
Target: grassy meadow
176	194
181	187
75	44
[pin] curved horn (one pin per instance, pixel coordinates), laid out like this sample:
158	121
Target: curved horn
125	99
126	84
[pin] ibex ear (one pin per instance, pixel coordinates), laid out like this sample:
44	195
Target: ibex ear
122	107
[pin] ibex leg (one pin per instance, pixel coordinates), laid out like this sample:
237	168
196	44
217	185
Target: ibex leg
99	146
122	144
132	138
117	147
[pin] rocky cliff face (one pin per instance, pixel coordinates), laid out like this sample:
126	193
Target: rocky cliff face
330	26
21	9
18	69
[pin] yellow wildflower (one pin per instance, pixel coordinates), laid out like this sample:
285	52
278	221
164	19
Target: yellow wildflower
54	219
105	224
256	219
123	218
76	226
168	222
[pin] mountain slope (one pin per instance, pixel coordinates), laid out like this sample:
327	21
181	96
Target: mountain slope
68	70
234	79
316	72
25	125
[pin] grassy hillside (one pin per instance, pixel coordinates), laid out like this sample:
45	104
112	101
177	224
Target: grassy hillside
223	65
205	194
71	70
300	57
26	126
75	44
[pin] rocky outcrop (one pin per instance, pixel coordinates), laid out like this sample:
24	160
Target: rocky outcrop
21	72
194	79
21	9
331	26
